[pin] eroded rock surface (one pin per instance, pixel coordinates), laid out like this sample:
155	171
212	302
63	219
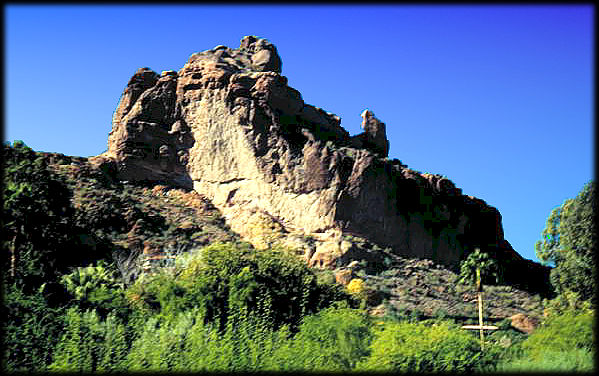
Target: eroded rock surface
285	172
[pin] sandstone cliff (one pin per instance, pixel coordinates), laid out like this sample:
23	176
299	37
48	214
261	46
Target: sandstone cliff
285	172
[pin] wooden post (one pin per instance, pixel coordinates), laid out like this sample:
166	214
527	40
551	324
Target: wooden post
479	288
480	328
477	327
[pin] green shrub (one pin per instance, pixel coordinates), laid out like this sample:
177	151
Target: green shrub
569	330
223	278
564	342
95	287
573	360
416	347
158	346
334	339
30	329
507	336
90	343
185	343
159	293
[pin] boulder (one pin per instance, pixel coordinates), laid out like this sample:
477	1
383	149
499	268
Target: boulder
524	323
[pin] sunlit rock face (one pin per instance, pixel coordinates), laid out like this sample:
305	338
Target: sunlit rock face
285	172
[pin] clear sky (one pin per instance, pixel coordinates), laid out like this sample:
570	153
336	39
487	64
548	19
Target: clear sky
497	98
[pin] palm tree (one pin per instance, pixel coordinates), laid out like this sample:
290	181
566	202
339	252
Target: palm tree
473	268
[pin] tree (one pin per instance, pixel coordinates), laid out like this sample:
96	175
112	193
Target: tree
478	265
37	239
36	208
568	242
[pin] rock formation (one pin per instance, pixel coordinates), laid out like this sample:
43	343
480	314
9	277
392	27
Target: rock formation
374	136
285	172
524	323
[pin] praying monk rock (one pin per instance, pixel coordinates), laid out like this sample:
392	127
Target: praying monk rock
285	172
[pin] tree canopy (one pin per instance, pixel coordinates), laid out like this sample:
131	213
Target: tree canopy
477	267
568	242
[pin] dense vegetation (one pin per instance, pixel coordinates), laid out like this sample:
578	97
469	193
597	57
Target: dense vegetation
568	242
75	297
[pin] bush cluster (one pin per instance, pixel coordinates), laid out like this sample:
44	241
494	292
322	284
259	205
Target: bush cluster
405	346
224	307
564	342
227	277
570	330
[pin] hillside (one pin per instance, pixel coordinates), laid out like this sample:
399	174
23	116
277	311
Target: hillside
108	275
135	223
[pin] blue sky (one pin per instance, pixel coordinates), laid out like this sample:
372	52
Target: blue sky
497	98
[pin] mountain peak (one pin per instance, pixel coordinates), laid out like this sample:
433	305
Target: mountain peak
285	172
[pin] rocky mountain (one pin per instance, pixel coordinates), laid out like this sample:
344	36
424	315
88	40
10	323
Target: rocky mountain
284	172
140	228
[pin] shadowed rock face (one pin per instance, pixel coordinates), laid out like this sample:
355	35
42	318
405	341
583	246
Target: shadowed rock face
285	172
